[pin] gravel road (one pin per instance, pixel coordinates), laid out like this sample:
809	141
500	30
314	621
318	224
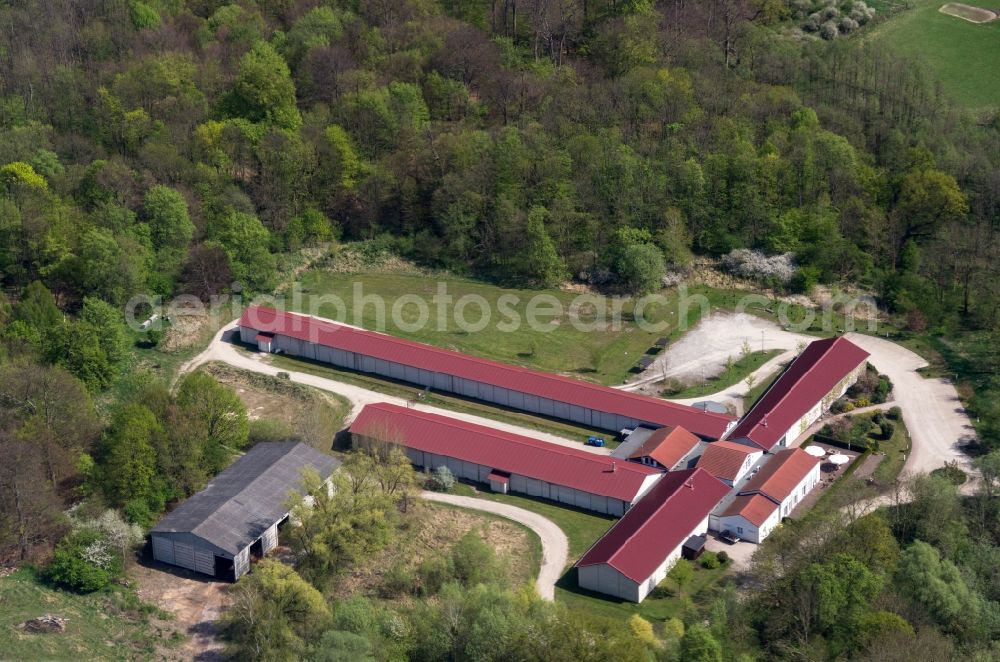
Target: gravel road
555	546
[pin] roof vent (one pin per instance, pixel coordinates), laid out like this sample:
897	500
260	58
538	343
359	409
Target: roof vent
764	424
612	466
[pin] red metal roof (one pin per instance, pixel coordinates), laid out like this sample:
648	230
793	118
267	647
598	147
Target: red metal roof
658	524
504	451
752	507
668	445
807	380
724	459
779	475
427	357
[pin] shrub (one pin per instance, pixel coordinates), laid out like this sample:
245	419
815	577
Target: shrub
84	561
883	390
887	429
474	561
756	265
951	472
442	480
723	557
805	279
848	25
397	580
829	30
433	573
895	413
710	561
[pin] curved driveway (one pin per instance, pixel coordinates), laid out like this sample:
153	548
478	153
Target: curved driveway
555	546
932	410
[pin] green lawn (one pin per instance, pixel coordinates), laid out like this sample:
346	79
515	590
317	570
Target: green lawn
569	343
961	54
101	626
658	607
582	527
896	449
733	374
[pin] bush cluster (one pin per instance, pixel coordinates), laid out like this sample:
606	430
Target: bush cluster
831	19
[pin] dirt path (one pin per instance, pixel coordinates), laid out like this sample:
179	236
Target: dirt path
197	605
222	349
555	546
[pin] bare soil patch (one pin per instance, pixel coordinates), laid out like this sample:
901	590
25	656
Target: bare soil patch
432	530
968	12
196	602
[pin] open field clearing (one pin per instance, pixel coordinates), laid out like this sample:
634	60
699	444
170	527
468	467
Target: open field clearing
575	341
957	41
110	625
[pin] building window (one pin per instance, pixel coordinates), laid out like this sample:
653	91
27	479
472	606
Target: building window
739	530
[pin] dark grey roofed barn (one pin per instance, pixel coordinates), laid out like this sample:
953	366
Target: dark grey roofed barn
214	531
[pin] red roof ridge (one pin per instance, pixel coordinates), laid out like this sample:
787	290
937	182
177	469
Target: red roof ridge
514	437
677	482
715	425
832	342
774	468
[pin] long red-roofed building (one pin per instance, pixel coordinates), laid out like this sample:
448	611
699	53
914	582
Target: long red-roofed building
591	405
820	375
772	493
508	462
638	552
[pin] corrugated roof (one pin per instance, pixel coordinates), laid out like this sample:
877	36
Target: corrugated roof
724	459
249	496
436	359
654	527
779	476
752	507
667	445
504	451
807	380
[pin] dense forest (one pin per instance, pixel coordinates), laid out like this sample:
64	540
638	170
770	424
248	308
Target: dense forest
171	146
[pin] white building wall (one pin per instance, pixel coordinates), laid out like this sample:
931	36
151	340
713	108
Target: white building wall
804	487
604	579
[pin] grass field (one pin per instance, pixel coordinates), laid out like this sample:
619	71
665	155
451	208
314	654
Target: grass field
582	528
961	54
728	377
575	342
101	626
896	450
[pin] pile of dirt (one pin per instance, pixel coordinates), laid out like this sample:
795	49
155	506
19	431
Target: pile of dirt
47	624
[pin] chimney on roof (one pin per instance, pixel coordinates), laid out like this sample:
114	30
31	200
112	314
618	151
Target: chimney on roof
689	483
612	466
765	421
